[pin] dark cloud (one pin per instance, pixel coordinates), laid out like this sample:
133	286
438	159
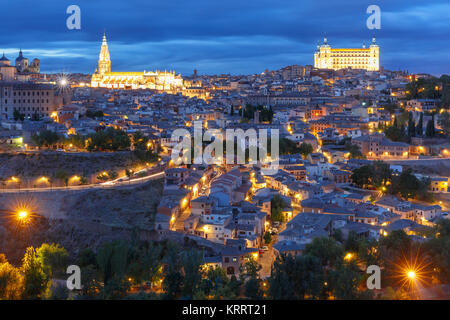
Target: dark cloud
223	36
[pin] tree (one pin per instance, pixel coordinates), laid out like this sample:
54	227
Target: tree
94	114
381	173
173	278
267	237
286	146
129	173
192	261
419	127
45	138
36	283
216	284
395	133
113	264
377	174
86	257
53	258
76	140
249	275
430	130
296	277
277	204
305	149
140	141
391	107
352	242
409	186
411	126
18	116
438	248
146	264
110	139
395	244
63	176
83	180
362	176
355	151
11	282
444	122
327	250
345	280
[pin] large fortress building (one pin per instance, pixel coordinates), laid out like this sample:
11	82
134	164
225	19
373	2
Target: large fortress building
165	81
363	58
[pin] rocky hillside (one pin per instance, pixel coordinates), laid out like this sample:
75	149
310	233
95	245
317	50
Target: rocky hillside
90	218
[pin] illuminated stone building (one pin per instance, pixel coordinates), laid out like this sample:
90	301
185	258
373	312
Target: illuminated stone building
364	58
164	81
21	70
32	100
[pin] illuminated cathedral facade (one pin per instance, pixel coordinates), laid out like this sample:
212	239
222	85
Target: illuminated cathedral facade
364	58
164	81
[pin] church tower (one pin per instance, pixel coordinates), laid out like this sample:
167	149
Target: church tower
104	60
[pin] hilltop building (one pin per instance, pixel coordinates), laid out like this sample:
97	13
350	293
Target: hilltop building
363	58
22	66
166	81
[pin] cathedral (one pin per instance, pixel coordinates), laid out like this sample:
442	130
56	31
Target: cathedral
364	58
22	67
163	81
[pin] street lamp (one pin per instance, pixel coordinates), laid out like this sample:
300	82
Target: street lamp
348	256
22	214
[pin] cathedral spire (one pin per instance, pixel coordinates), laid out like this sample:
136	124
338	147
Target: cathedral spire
104	60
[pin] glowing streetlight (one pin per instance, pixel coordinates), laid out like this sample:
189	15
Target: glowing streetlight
411	275
348	256
22	215
14	179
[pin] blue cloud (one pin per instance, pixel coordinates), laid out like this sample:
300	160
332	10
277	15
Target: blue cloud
223	36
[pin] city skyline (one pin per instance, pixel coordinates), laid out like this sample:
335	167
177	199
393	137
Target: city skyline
184	37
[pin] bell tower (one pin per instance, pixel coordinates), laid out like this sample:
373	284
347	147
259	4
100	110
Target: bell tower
104	60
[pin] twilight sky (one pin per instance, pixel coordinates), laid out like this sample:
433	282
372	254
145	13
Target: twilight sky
223	36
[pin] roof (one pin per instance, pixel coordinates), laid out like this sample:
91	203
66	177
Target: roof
359	227
20	57
4	58
283	246
401	224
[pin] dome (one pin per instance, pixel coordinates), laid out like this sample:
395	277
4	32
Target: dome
4	60
20	57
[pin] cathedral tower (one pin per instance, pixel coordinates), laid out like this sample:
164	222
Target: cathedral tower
104	60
